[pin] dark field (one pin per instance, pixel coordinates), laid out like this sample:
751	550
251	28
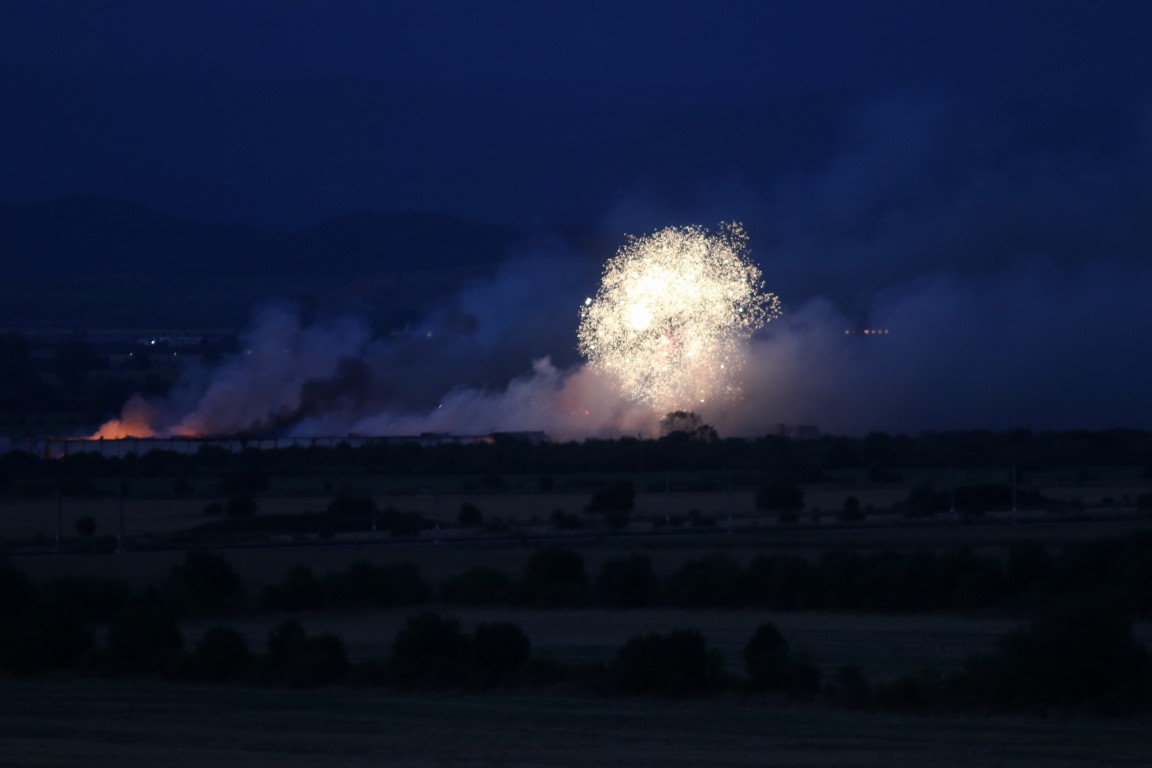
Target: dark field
114	724
56	721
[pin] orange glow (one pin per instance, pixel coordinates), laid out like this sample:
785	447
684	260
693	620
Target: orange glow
116	429
188	428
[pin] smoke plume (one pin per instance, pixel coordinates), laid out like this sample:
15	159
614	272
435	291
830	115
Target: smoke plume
1009	259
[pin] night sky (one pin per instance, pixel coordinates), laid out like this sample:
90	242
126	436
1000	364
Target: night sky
977	178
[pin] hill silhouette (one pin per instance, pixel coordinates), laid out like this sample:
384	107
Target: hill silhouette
82	262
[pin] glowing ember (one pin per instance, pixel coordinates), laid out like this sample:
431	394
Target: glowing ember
672	314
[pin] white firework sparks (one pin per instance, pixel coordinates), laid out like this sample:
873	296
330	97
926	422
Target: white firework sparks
672	315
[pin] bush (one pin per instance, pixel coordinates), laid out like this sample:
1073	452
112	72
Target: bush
1029	565
620	497
1079	654
850	689
481	585
562	521
716	581
780	497
352	506
784	583
470	516
556	577
803	677
617	519
240	505
980	498
222	655
301	591
430	651
626	583
47	637
907	694
851	510
142	639
767	658
87	599
400	523
244	481
673	664
364	584
922	501
300	661
500	649
771	666
17	592
204	583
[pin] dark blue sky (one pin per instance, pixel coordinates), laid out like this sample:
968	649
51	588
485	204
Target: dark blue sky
280	112
1077	52
975	175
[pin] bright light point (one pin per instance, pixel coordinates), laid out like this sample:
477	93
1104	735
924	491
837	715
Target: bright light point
639	318
672	314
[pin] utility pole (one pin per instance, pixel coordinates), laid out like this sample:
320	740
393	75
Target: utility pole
1013	493
120	549
59	522
731	506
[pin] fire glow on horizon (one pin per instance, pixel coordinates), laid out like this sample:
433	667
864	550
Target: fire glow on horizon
667	330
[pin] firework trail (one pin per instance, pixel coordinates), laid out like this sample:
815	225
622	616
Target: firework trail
672	315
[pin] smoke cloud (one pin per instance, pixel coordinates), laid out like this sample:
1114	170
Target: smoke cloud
1007	256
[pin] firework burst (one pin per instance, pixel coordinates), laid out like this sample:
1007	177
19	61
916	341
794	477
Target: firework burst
673	312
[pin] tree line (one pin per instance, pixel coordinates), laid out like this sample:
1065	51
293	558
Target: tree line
1076	655
1027	575
912	582
553	466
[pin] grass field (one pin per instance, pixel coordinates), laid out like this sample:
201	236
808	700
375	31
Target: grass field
115	724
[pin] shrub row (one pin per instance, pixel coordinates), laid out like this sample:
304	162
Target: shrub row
1078	656
205	584
890	582
766	458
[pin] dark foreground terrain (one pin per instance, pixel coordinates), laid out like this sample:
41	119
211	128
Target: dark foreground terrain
43	723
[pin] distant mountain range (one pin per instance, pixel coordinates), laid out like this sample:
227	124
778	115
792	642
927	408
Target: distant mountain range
86	262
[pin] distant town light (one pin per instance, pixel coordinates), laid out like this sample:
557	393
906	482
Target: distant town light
867	332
